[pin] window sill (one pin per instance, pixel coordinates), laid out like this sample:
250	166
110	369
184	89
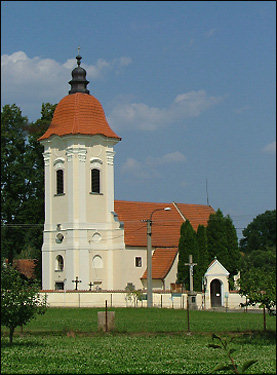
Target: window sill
96	193
58	195
58	270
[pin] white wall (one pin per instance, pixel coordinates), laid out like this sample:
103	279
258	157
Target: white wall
119	299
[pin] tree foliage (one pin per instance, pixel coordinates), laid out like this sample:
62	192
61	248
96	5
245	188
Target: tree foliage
260	233
20	300
258	266
203	256
34	205
218	239
22	183
13	179
187	246
223	242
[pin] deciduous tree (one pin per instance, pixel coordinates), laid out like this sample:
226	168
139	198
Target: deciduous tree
13	179
260	233
20	300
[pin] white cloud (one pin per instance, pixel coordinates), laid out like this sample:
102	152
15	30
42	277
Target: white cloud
135	169
149	168
210	33
172	157
270	148
242	109
143	117
36	80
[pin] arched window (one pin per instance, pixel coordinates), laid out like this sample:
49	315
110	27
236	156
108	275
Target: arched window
97	262
60	185
59	263
95	181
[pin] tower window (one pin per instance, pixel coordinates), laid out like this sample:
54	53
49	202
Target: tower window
138	262
60	187
95	181
59	286
59	263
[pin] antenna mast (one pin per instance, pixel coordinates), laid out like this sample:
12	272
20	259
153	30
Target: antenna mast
207	192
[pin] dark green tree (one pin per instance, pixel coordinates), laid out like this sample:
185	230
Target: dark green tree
258	265
217	240
187	246
22	183
223	243
34	205
258	278
20	300
13	180
203	257
260	233
234	256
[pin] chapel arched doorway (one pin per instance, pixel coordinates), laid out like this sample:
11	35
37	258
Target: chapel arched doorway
215	292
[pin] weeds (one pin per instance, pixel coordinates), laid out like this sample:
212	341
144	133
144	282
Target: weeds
224	345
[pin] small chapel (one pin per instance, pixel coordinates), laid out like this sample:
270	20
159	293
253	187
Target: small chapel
88	235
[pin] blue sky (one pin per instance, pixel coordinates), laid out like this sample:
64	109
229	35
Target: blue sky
190	86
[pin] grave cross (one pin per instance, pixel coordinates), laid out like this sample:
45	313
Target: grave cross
190	264
76	281
90	285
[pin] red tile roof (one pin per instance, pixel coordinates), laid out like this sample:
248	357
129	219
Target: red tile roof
165	224
79	114
162	261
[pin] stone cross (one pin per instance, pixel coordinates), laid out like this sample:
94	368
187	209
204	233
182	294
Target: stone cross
190	264
76	281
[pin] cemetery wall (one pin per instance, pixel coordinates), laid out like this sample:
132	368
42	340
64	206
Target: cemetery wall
123	299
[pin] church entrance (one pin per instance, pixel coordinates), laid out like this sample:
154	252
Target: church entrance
215	292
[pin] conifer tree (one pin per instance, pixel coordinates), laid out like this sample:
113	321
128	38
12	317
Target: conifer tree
187	246
223	243
216	236
232	247
203	257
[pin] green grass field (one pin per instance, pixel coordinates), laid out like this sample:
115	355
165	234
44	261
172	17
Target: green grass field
145	341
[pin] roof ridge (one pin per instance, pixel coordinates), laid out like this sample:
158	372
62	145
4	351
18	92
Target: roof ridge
178	210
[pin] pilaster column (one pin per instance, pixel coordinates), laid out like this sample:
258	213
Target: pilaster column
110	182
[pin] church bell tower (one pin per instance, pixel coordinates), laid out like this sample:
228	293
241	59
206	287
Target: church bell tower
81	230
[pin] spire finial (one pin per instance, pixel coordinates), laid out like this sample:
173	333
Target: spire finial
78	82
78	57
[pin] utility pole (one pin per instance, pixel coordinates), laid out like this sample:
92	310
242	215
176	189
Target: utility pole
149	256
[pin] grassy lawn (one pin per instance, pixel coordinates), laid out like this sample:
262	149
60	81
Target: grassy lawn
148	320
145	341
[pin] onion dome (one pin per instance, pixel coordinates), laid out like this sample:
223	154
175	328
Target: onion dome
78	82
79	112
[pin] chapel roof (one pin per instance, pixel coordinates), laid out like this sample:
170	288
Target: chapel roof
162	261
165	224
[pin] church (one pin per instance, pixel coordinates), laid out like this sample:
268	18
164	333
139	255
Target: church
90	239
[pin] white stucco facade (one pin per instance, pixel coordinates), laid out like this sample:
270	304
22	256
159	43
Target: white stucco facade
216	285
80	225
